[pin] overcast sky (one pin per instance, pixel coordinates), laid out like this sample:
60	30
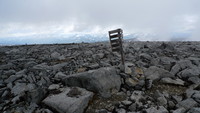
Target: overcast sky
160	19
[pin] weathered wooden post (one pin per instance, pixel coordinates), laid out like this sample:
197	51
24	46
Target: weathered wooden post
116	37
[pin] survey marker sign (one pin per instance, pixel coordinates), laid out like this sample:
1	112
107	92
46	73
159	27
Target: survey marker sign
116	37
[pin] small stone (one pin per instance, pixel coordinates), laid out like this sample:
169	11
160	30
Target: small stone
121	110
102	111
56	55
60	75
162	101
94	66
132	107
171	104
83	69
5	93
43	111
17	98
128	69
126	102
171	81
131	82
54	86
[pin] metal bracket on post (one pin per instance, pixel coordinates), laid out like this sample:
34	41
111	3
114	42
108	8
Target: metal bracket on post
116	37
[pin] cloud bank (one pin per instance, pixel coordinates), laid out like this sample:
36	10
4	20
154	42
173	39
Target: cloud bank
151	20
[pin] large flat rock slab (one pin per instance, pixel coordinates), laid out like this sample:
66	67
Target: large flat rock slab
71	100
103	81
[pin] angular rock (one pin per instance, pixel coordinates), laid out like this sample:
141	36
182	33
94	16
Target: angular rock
167	46
121	110
94	66
154	73
137	96
171	105
177	98
195	80
21	88
98	56
145	57
54	86
40	67
194	110
162	101
128	68
183	64
133	107
172	81
58	67
189	92
30	64
102	81
56	55
187	104
160	109
187	73
37	95
71	100
9	72
7	66
195	61
126	102
196	97
12	78
179	110
131	82
60	75
167	62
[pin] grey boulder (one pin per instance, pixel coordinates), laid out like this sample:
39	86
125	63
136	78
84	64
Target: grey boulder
71	100
104	81
155	73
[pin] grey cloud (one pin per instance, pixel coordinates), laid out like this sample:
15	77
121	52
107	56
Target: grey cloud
157	15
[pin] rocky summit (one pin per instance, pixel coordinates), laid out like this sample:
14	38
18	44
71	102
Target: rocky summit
159	77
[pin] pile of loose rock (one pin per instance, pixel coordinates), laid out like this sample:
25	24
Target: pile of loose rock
159	77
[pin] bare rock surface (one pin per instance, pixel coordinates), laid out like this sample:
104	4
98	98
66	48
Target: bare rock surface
159	77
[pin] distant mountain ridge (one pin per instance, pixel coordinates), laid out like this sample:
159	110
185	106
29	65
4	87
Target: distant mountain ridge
72	38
